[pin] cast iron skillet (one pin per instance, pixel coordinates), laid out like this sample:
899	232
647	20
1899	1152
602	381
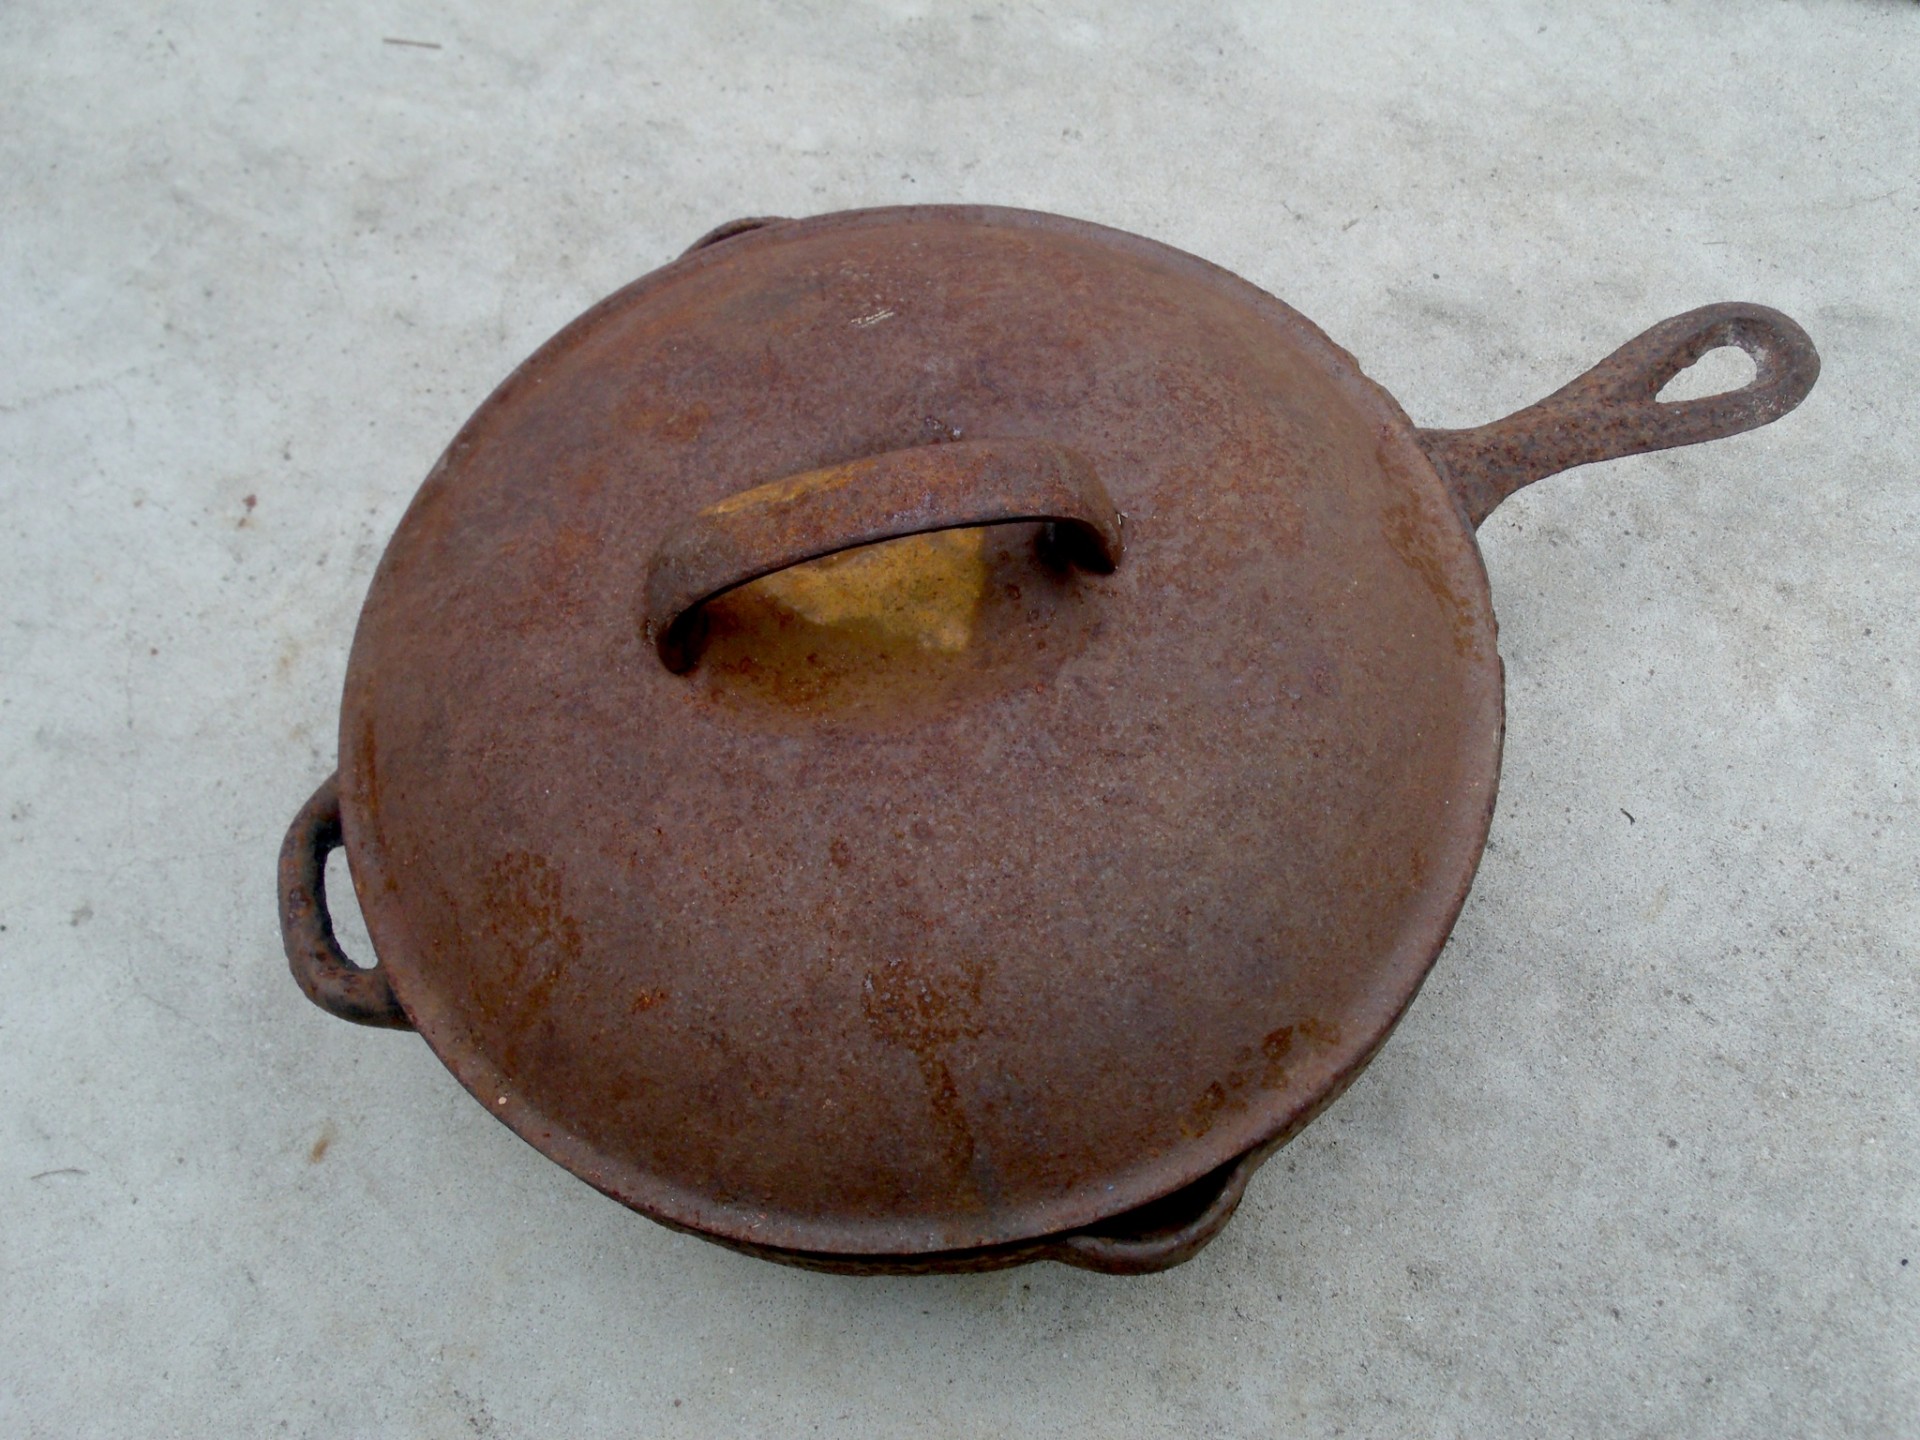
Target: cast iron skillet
927	739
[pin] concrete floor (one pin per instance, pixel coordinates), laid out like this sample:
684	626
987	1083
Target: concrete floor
1643	1160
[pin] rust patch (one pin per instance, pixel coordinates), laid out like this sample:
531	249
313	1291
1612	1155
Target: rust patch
1326	1032
1275	1047
1206	1110
671	424
537	939
903	1008
1409	530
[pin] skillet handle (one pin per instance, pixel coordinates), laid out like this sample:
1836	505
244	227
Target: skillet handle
1612	411
329	978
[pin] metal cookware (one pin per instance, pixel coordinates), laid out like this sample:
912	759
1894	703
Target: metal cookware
932	738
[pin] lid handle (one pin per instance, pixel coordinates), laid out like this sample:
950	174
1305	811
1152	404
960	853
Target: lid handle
904	492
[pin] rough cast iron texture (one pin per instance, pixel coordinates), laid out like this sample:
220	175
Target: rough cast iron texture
973	897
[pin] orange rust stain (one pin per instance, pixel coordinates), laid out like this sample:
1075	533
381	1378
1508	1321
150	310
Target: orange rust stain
368	773
1416	869
904	1008
1324	1031
785	491
561	569
525	909
572	545
686	424
676	426
646	1000
1206	1110
1410	536
1276	1047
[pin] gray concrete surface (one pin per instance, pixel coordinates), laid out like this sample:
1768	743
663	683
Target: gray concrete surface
1643	1161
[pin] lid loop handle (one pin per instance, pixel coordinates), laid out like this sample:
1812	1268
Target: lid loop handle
903	492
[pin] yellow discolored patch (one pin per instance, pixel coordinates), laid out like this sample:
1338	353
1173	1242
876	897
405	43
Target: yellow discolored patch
923	590
784	491
889	631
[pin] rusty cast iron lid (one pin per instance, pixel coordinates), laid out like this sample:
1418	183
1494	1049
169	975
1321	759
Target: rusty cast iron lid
951	890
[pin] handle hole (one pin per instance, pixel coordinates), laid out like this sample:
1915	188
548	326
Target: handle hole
349	926
1719	371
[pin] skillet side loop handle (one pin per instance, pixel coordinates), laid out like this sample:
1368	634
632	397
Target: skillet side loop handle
329	978
903	492
1167	1232
1612	411
731	229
